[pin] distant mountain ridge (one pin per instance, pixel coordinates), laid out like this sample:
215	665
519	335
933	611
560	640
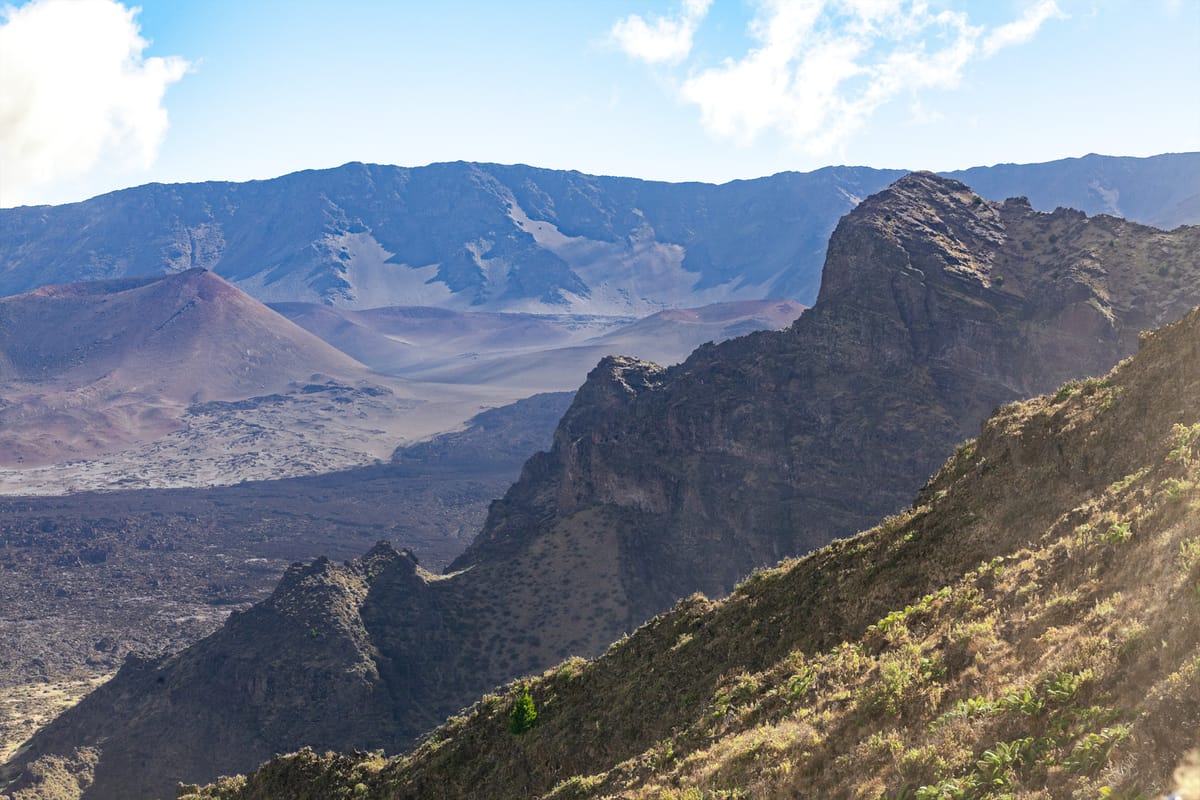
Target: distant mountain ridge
1163	191
459	235
935	307
491	237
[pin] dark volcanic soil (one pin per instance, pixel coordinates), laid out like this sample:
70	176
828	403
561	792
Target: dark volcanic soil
86	579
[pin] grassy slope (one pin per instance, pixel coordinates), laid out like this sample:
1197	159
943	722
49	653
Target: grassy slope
1031	628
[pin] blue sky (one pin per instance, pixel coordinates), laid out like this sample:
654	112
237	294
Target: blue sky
96	96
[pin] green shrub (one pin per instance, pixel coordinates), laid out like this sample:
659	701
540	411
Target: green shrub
523	714
1066	390
1189	554
1175	490
1118	532
1093	750
1183	439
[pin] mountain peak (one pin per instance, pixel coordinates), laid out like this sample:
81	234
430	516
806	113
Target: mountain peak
198	278
918	195
923	225
923	181
622	376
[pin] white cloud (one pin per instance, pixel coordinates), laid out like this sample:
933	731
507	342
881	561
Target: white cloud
665	38
1022	30
76	91
919	115
821	68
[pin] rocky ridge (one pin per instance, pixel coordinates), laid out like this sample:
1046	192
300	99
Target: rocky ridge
936	306
1028	628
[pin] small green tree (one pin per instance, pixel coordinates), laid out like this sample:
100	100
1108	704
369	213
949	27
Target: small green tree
523	715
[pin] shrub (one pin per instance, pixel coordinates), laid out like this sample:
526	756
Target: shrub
1066	390
1118	532
523	714
1189	554
1176	490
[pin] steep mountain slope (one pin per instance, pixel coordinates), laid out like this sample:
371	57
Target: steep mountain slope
935	307
459	235
1029	628
515	238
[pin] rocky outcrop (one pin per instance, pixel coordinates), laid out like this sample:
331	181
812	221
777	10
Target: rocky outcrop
272	674
935	307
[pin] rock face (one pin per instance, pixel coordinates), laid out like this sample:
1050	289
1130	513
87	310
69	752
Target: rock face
1027	628
935	307
487	237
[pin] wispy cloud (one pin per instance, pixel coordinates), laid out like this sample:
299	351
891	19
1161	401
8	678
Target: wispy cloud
1022	30
663	39
76	90
820	68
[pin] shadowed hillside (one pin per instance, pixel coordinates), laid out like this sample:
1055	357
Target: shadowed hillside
1030	628
87	579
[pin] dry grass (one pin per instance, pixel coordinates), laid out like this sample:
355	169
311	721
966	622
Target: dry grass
25	708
